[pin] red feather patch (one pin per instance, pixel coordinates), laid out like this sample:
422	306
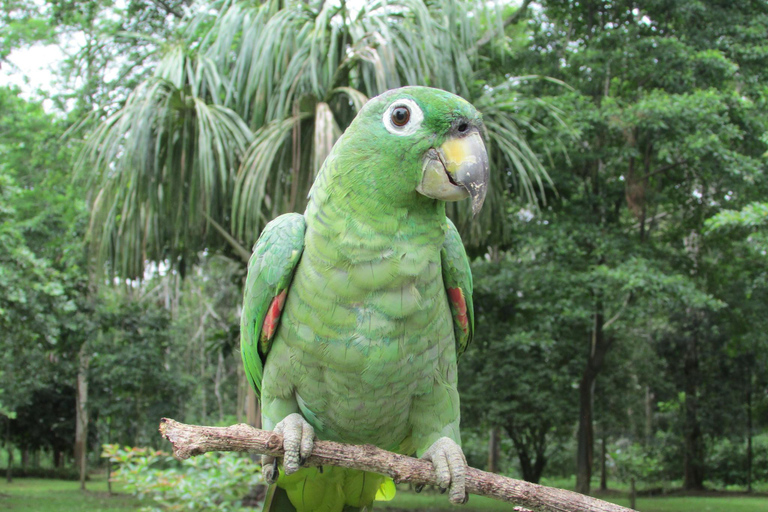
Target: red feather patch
460	307
269	326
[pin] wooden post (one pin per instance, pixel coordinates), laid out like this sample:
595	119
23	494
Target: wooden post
632	495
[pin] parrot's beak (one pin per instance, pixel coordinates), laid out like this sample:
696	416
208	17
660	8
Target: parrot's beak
457	169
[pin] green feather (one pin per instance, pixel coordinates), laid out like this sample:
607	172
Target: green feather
367	345
270	270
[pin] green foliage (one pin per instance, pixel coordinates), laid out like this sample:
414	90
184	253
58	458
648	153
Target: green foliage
207	482
728	460
244	106
23	24
751	216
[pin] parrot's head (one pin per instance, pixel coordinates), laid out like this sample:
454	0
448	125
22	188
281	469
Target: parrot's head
418	144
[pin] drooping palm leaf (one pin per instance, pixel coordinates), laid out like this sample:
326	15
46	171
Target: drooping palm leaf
239	116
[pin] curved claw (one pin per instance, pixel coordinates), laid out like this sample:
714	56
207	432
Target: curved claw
450	468
298	441
269	469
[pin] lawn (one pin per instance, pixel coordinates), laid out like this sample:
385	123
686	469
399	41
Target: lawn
36	495
437	502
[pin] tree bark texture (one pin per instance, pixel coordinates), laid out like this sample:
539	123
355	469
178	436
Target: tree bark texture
190	440
81	416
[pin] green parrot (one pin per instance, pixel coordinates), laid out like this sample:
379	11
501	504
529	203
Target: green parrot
354	313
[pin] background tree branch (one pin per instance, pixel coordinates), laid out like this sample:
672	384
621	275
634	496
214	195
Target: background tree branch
190	440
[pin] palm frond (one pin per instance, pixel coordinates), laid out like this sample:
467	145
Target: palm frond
240	115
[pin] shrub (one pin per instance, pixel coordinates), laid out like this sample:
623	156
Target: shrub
213	481
727	460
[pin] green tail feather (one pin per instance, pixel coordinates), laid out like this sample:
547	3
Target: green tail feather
332	490
277	500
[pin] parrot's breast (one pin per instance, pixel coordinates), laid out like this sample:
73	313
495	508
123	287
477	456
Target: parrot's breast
366	331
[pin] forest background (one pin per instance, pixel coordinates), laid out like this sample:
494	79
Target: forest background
621	290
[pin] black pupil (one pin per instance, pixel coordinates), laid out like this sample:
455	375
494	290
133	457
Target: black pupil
463	127
400	116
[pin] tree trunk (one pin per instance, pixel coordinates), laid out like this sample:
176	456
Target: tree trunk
81	415
693	459
585	436
242	394
493	450
603	456
9	469
217	386
648	415
530	447
749	432
9	446
25	458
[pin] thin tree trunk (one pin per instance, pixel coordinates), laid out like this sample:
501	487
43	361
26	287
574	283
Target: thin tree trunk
109	460
585	436
749	432
81	410
648	415
9	470
530	447
9	446
693	459
493	450
242	385
217	386
603	456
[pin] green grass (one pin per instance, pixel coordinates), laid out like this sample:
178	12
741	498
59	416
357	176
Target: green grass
29	494
36	495
405	500
699	504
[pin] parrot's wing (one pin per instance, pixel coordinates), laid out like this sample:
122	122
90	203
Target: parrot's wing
458	285
270	271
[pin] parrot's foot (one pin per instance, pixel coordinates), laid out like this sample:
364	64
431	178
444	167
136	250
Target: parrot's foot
450	468
298	440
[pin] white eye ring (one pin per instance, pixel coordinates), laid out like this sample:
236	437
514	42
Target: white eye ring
413	124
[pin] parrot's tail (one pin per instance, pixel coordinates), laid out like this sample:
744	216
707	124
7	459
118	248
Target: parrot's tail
330	490
277	500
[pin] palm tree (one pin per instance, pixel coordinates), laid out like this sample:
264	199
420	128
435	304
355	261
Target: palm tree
242	111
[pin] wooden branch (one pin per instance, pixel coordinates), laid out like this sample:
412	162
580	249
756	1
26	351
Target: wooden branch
190	440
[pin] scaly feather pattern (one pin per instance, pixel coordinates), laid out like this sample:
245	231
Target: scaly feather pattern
375	313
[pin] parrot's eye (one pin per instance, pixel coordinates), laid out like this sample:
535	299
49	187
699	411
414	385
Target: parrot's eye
400	116
403	117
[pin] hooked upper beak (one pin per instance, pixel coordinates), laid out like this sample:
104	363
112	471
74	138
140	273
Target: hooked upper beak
457	169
